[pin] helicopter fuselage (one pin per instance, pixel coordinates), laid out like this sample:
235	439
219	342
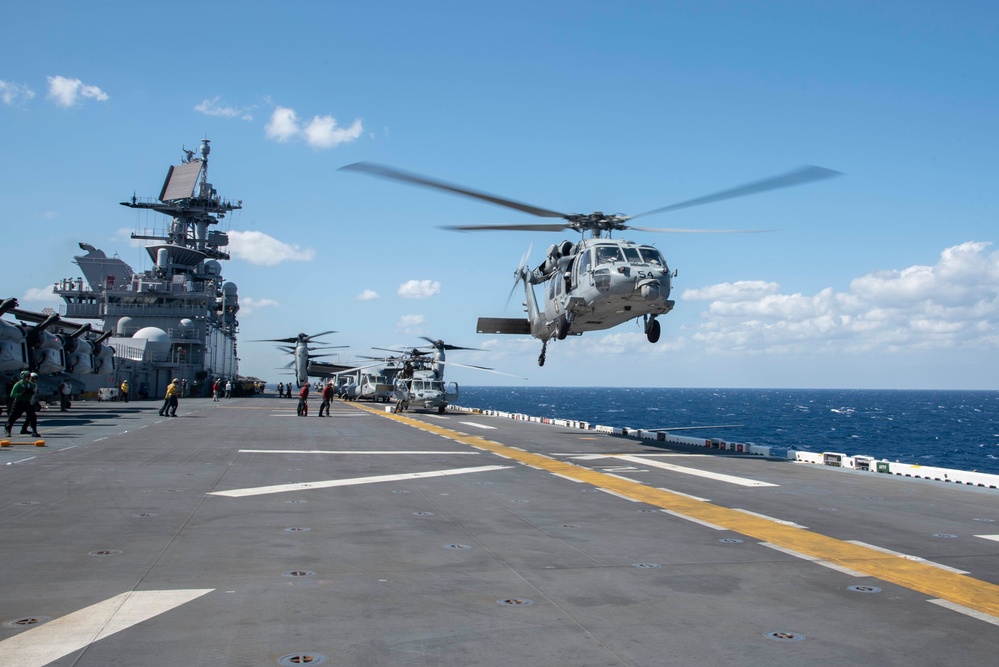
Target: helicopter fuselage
600	284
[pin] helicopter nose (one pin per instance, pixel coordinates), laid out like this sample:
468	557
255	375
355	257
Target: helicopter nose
649	290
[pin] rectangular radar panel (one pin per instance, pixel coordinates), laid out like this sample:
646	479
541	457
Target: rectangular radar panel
180	181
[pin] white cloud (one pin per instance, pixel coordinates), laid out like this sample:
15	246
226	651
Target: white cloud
320	132
11	93
39	294
419	289
67	92
248	304
410	324
952	304
323	132
212	108
261	249
367	295
283	124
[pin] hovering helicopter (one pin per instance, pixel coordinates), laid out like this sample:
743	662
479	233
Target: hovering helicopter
597	282
298	346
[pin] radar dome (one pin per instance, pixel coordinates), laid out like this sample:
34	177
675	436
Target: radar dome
124	324
157	341
213	268
187	323
229	289
154	334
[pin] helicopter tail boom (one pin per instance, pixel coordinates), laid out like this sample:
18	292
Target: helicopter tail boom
503	325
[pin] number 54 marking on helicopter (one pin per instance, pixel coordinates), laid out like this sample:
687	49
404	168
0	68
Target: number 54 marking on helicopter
596	282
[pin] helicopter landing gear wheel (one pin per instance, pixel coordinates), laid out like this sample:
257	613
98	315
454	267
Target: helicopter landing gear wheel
562	328
652	330
541	359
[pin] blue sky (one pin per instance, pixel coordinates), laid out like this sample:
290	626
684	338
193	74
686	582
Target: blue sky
885	277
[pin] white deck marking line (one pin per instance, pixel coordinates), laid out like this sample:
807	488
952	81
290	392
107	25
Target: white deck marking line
46	643
685	495
782	522
953	606
908	557
589	457
327	484
482	426
693	520
731	479
994	538
345	451
812	559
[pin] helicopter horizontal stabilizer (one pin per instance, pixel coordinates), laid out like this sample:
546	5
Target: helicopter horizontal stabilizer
503	325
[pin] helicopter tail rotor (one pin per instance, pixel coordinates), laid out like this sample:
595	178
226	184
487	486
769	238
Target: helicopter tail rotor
519	274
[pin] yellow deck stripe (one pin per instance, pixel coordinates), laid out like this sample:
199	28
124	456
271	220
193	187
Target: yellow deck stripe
960	589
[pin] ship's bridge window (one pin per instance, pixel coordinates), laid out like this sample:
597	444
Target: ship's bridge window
653	257
631	255
607	254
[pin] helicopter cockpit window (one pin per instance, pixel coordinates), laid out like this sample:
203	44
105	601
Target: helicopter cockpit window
653	257
583	264
631	255
607	254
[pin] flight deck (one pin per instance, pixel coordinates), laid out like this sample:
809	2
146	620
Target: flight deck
240	533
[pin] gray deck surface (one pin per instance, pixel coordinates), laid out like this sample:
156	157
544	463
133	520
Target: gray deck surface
423	547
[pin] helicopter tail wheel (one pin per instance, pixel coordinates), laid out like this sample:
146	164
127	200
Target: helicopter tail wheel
652	330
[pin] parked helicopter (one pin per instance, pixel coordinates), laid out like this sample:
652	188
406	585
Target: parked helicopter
74	350
298	346
596	282
414	377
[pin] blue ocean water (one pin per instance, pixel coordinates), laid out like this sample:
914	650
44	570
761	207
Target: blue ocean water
947	429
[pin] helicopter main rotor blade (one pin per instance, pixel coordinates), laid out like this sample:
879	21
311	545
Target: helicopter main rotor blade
671	230
448	346
553	227
799	176
308	338
415	179
481	368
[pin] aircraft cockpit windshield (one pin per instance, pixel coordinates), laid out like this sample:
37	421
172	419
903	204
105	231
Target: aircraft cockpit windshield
631	255
653	257
607	254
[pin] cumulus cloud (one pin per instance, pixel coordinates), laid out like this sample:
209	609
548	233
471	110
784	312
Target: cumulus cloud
367	295
283	124
11	93
410	324
248	304
213	108
952	304
419	289
39	294
320	132
323	132
263	250
69	92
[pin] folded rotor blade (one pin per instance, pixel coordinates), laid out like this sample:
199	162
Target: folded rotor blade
415	179
798	176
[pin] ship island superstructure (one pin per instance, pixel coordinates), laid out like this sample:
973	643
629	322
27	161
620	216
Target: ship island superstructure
178	318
